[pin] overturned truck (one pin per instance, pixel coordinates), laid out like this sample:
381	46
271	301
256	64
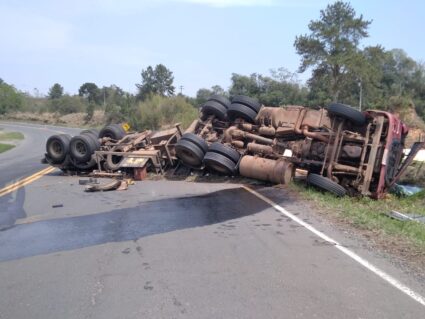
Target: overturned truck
344	151
341	150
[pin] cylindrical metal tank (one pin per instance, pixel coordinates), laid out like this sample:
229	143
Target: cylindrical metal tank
275	171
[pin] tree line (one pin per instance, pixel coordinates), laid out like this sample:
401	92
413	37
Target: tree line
341	71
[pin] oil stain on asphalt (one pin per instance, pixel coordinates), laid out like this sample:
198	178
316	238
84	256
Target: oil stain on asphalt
149	218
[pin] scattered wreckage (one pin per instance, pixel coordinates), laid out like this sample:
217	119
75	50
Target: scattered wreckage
343	150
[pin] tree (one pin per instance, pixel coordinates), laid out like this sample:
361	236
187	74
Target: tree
91	92
56	91
10	99
271	91
156	81
202	95
332	47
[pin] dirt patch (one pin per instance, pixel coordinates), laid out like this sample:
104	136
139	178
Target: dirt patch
72	120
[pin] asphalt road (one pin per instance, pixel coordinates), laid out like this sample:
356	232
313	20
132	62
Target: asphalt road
24	160
175	249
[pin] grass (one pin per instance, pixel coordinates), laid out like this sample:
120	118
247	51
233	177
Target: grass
11	136
5	147
369	215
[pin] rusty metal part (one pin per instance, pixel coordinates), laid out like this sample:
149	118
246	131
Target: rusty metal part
275	171
279	117
345	168
238	144
267	130
192	127
316	119
315	135
112	185
332	158
376	137
238	134
259	148
351	151
247	127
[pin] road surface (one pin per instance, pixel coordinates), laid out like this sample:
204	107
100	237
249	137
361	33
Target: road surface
175	249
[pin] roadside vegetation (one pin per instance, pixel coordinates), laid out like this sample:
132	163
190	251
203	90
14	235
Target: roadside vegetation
369	215
5	147
11	136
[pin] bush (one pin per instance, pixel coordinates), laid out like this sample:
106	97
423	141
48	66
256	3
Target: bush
67	104
157	112
10	99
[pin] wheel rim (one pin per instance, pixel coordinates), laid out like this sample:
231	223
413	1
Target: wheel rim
81	148
56	148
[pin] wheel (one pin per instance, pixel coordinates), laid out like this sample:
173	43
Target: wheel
84	166
225	150
82	147
113	131
197	140
220	99
348	113
253	104
113	162
239	110
94	134
57	147
189	153
214	108
220	163
93	131
326	184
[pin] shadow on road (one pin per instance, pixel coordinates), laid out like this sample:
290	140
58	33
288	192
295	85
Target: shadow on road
150	218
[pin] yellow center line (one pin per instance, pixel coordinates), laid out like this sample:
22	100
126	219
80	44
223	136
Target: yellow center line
25	181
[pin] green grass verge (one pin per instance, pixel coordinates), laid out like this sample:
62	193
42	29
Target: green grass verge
10	136
5	147
369	215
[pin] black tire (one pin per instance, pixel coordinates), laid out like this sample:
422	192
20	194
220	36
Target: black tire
219	163
225	150
216	109
220	99
253	104
114	162
82	148
93	131
348	113
57	147
84	166
113	131
189	153
237	110
197	140
94	134
326	184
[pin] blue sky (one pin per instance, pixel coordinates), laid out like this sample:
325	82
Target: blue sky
201	41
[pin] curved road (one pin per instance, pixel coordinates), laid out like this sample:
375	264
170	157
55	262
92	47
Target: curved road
175	249
24	159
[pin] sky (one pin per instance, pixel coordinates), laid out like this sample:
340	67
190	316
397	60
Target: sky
202	41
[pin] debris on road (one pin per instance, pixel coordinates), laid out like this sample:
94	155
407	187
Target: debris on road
109	186
406	217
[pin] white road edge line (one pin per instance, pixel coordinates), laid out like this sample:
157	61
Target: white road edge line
391	280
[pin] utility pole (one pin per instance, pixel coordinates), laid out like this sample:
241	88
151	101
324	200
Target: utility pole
181	89
361	94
